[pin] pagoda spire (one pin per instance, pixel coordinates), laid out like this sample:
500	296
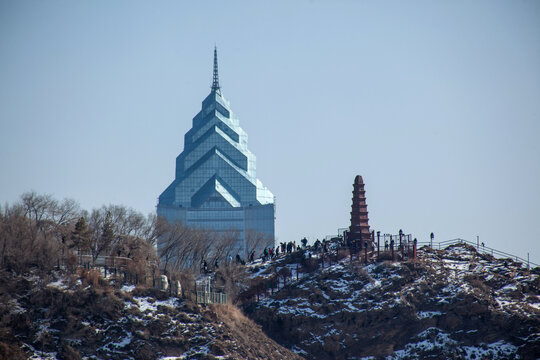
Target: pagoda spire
215	82
359	229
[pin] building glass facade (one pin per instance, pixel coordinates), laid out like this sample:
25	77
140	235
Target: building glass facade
215	185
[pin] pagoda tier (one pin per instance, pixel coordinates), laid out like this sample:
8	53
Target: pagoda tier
359	229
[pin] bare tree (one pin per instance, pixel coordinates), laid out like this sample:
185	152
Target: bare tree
171	244
15	236
37	207
38	228
224	245
182	248
154	228
24	231
255	242
48	217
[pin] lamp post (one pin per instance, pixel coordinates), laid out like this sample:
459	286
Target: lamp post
378	242
392	248
401	242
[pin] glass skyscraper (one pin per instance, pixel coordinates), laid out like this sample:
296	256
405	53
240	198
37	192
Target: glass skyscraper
216	186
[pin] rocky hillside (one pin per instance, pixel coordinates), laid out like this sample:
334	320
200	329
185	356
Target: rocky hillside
85	317
449	304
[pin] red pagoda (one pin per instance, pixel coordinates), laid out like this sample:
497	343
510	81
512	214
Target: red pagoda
359	229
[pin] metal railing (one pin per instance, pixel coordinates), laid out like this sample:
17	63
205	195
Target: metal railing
205	297
205	293
479	247
104	260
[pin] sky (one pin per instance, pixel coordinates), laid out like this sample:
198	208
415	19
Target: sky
435	103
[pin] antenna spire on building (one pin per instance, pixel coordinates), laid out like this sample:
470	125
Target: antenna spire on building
215	82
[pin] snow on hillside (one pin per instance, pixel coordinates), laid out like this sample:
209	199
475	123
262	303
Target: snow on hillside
450	303
66	319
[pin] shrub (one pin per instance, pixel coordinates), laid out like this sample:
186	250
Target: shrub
68	353
93	277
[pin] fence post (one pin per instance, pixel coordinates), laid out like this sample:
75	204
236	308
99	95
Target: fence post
392	248
378	243
296	272
365	251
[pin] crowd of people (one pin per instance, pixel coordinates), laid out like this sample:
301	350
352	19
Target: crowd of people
268	253
274	252
285	248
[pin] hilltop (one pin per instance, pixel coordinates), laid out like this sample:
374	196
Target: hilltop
451	303
73	318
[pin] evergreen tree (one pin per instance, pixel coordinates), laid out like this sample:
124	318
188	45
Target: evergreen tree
81	235
107	235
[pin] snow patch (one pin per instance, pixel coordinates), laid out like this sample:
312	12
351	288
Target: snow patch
58	284
428	314
145	305
128	288
497	350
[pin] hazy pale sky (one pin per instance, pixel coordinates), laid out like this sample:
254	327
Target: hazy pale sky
435	103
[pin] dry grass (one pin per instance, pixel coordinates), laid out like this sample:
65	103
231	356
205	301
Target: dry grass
93	277
479	284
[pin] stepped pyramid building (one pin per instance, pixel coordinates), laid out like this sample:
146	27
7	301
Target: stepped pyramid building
216	186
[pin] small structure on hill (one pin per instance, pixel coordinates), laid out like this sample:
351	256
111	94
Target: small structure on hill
163	283
206	293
